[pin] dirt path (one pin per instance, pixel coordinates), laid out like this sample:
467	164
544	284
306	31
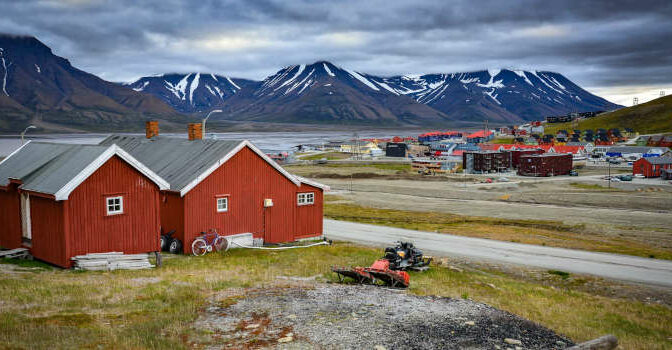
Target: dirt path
364	317
614	266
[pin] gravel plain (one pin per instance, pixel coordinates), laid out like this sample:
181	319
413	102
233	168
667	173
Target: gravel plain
332	316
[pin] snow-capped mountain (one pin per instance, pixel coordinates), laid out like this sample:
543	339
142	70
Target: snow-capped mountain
40	88
325	93
498	95
191	92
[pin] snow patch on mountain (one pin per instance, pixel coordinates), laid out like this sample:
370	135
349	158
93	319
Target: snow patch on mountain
232	83
386	87
362	79
144	85
298	73
470	80
492	95
193	87
4	69
521	74
37	69
326	69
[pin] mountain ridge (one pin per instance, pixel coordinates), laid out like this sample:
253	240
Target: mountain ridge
40	87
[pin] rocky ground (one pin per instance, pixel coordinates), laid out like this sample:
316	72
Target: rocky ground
328	316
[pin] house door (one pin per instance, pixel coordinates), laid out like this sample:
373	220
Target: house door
26	225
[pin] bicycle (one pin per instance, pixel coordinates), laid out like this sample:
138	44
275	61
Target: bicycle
207	242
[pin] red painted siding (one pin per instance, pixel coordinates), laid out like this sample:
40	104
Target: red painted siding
10	217
48	230
172	214
136	230
642	166
309	217
247	179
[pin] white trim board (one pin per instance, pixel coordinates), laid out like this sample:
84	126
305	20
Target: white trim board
64	192
15	152
312	183
228	156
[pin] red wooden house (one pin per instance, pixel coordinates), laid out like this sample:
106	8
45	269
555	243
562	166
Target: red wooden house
63	200
651	166
230	186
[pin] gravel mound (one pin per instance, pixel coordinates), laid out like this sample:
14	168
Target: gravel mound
364	317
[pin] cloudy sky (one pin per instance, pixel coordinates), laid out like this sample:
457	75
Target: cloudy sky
617	49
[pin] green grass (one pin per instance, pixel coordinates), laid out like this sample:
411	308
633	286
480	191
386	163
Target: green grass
593	187
651	117
328	156
382	166
156	308
538	232
502	140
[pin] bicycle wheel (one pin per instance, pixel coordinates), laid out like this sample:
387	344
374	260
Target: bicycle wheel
221	244
199	247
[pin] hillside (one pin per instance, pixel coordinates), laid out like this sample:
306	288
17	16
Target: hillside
43	89
652	117
499	95
322	93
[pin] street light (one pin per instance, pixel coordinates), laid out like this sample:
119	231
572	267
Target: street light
208	116
26	129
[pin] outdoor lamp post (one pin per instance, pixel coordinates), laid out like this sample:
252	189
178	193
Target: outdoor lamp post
208	116
24	132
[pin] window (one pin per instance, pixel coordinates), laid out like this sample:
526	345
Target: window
222	204
305	198
115	205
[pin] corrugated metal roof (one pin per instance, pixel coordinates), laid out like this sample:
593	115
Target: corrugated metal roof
47	167
178	161
659	160
633	149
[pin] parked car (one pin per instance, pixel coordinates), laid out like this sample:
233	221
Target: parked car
625	177
573	173
614	161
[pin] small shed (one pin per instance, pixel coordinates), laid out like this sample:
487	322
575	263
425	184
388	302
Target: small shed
63	200
651	166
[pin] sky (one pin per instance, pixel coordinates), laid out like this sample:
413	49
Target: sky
616	49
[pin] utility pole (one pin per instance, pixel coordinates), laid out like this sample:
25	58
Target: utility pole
635	101
662	93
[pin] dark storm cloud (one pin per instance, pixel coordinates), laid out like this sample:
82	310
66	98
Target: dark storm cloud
595	43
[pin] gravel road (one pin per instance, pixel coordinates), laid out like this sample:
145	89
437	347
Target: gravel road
614	266
329	316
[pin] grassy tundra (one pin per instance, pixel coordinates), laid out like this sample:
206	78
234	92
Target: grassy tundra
51	308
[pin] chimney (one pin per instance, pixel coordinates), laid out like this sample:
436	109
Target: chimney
151	129
195	131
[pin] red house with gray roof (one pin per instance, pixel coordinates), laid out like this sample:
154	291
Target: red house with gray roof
63	200
230	186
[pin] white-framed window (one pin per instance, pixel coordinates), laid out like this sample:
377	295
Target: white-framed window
306	198
115	205
222	204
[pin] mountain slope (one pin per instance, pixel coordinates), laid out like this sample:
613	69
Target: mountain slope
652	117
498	95
192	92
324	93
40	87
